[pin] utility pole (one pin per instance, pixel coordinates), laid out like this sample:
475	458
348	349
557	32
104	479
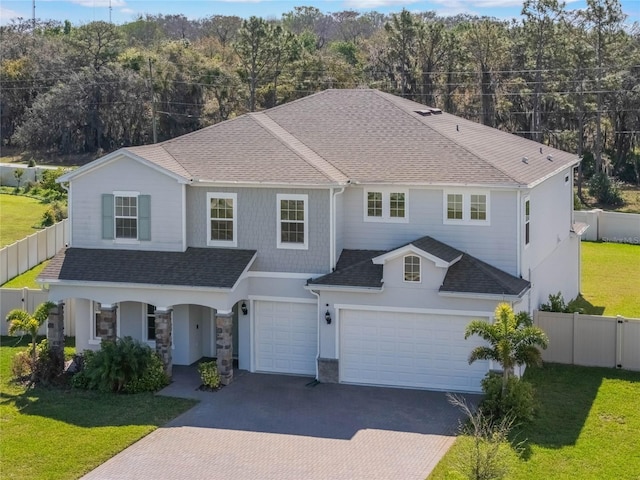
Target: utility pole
33	14
110	10
153	104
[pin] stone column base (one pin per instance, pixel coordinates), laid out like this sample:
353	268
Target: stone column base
224	347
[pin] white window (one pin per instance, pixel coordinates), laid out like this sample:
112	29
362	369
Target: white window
126	216
386	205
527	221
222	219
293	221
412	268
94	318
471	208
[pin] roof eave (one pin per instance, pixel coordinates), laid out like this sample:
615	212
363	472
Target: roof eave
344	288
83	283
553	174
484	296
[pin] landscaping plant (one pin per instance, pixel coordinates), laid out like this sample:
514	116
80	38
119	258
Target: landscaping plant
209	374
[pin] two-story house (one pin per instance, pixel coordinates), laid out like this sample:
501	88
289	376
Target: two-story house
350	235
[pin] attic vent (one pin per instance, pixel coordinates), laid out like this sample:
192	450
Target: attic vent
435	111
424	113
525	160
550	158
429	111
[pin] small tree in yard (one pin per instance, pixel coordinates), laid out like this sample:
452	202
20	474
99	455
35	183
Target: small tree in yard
512	338
21	321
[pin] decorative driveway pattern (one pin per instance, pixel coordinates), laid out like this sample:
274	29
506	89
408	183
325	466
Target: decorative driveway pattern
279	427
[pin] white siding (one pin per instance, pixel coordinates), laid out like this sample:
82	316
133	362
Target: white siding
125	174
495	244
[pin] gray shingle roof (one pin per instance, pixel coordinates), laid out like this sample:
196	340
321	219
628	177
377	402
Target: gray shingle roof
196	267
468	275
362	135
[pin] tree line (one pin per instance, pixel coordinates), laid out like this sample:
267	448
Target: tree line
567	78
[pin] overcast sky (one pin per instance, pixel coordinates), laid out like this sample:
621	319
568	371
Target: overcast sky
122	11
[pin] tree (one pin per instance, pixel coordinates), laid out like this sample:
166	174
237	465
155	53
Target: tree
513	340
21	321
402	33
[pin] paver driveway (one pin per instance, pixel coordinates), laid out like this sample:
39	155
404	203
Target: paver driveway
277	427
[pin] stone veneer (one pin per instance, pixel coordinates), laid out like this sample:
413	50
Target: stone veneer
55	330
224	346
108	322
164	329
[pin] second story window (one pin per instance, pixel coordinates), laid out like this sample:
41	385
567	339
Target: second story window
469	208
126	216
223	225
293	222
385	205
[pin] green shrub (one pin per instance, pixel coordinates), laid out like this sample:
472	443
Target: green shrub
209	374
518	402
44	371
154	378
557	304
81	379
605	191
55	213
21	366
123	365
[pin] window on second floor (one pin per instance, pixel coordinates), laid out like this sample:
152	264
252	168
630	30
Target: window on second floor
293	221
222	219
126	217
412	268
466	208
385	205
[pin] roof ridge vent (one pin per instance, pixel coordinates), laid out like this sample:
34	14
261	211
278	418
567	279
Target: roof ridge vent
424	113
435	111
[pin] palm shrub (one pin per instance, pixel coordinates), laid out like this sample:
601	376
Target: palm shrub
21	321
123	365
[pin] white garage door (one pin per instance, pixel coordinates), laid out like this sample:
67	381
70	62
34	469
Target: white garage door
408	350
286	336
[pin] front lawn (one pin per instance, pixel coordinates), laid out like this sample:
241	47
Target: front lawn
610	279
587	427
19	217
63	434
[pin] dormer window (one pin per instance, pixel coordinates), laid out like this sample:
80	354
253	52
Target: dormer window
412	268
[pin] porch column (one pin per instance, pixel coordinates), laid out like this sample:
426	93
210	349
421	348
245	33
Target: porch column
164	329
224	346
55	331
107	322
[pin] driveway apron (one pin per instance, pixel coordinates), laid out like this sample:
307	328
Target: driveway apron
281	427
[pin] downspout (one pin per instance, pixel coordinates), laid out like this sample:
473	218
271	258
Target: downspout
333	228
69	207
317	295
519	235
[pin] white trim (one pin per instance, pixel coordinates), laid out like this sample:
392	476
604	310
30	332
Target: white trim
404	268
263	298
427	311
344	288
125	240
287	275
234	219
291	245
484	296
466	206
252	335
386	204
412	249
243	275
184	217
82	283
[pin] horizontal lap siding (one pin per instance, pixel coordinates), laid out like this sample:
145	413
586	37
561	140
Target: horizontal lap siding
126	175
495	244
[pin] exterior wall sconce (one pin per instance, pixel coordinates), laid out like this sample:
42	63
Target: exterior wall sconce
327	316
244	308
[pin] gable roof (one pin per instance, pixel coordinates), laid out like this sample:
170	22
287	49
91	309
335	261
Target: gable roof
336	137
195	267
467	275
441	254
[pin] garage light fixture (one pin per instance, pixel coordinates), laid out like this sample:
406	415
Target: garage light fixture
244	308
327	316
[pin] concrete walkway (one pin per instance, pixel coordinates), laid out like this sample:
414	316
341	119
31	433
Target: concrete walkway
280	427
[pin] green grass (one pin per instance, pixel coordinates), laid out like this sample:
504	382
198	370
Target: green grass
28	278
63	434
610	279
587	427
19	217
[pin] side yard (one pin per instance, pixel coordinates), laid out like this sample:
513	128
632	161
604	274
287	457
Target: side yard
21	216
58	433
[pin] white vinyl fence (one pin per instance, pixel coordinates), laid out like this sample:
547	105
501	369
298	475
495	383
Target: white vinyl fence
28	299
610	226
17	258
591	340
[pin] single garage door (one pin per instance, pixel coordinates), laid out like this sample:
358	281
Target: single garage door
286	336
408	350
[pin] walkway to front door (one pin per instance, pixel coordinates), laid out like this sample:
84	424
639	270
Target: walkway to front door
278	427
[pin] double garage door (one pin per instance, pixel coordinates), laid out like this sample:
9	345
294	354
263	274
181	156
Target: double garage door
286	337
408	350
